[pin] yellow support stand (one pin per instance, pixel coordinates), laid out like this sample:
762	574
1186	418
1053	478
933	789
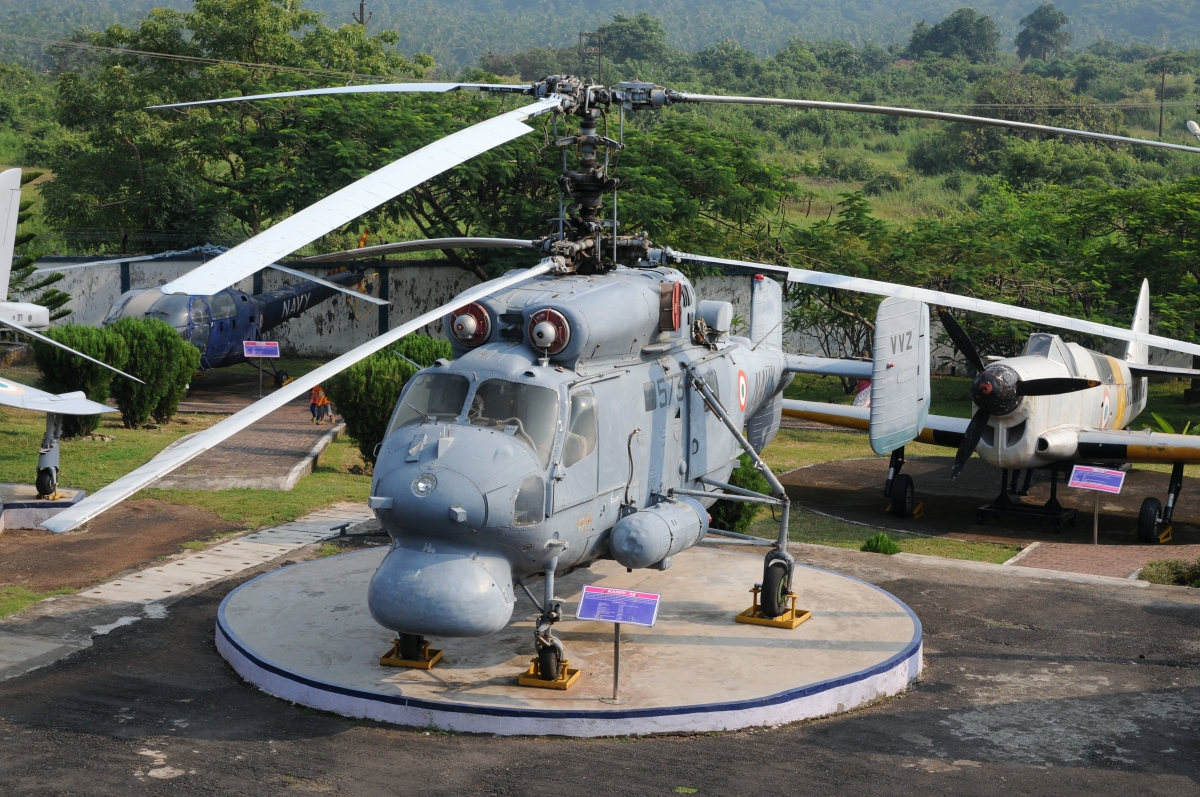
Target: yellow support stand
429	657
567	676
918	510
1164	536
789	619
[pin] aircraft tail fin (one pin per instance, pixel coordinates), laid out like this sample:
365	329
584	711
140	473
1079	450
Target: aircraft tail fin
1140	352
10	206
766	313
900	390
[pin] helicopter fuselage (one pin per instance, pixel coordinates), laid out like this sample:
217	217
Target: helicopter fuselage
511	459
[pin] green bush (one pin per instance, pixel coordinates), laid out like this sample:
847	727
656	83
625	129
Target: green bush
1171	571
63	372
884	182
163	360
735	515
366	393
880	543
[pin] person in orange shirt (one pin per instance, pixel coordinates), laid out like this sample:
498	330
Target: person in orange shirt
317	401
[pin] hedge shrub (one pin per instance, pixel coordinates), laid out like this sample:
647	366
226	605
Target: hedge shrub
366	393
735	515
163	360
63	372
880	543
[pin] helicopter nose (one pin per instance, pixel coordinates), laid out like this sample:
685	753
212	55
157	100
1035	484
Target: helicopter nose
435	499
995	390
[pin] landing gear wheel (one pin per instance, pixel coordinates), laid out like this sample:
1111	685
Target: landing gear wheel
281	378
548	663
47	482
412	647
903	496
775	590
1147	525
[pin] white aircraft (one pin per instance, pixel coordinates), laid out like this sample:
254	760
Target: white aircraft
20	317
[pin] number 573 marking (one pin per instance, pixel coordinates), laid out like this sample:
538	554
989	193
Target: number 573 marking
669	387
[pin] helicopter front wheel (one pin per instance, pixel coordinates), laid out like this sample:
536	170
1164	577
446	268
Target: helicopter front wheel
549	663
774	593
412	647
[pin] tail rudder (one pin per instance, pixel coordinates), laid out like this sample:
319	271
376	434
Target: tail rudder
766	313
10	206
1140	352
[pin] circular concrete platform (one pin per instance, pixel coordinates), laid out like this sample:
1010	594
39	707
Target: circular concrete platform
303	633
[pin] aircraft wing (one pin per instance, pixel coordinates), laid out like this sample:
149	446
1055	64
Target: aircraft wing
939	430
23	397
1127	445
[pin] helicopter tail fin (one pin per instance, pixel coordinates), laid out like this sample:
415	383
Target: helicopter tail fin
766	313
1139	352
10	206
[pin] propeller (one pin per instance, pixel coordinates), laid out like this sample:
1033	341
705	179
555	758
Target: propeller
961	340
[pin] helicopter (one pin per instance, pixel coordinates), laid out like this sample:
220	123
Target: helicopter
596	405
219	323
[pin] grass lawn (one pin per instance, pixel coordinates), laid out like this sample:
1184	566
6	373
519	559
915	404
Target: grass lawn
14	598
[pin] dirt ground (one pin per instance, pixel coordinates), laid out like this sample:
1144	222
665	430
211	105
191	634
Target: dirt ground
128	535
1032	686
853	489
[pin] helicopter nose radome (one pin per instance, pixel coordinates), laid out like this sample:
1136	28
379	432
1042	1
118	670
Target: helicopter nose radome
995	390
434	499
441	594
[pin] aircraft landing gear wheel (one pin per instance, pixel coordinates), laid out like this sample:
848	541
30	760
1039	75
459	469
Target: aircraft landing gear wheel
548	663
903	496
281	379
412	647
773	598
1147	524
47	482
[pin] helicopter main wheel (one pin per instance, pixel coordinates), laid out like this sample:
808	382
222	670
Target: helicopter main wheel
903	496
548	663
1147	524
281	378
773	597
47	482
412	647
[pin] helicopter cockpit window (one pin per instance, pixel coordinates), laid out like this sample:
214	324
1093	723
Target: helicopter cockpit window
173	309
581	429
132	304
529	411
223	306
437	397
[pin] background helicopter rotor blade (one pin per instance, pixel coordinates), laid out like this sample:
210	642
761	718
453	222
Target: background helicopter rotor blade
826	280
356	199
966	446
22	330
370	88
164	463
423	245
1053	386
676	97
960	338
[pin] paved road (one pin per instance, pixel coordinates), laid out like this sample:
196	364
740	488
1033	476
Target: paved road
1033	686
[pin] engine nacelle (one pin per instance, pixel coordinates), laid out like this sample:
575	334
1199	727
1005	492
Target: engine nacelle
648	537
1058	444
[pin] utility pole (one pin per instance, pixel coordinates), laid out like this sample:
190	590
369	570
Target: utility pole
1162	95
591	43
362	17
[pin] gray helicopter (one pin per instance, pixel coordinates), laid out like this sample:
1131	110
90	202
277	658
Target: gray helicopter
596	405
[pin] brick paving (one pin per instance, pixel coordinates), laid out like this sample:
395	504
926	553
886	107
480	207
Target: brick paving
262	456
1119	561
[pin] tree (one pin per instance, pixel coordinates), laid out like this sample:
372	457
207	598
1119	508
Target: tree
1041	35
162	359
639	38
63	372
964	34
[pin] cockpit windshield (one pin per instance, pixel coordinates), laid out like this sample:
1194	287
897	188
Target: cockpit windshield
431	397
1043	344
133	304
528	412
172	308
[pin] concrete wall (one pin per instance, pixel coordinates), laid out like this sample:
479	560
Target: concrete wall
413	288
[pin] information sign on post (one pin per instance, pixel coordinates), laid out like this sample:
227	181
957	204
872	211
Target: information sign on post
1098	480
617	606
260	349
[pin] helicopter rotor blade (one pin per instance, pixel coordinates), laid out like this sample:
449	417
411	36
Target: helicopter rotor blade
960	338
164	463
970	439
370	88
341	288
1054	386
356	199
423	245
936	298
678	97
23	331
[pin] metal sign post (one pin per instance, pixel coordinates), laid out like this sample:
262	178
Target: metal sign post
260	349
1099	480
617	606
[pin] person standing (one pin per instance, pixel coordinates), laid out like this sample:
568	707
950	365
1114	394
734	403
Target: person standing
317	400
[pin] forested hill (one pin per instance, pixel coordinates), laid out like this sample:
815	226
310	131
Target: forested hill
457	32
